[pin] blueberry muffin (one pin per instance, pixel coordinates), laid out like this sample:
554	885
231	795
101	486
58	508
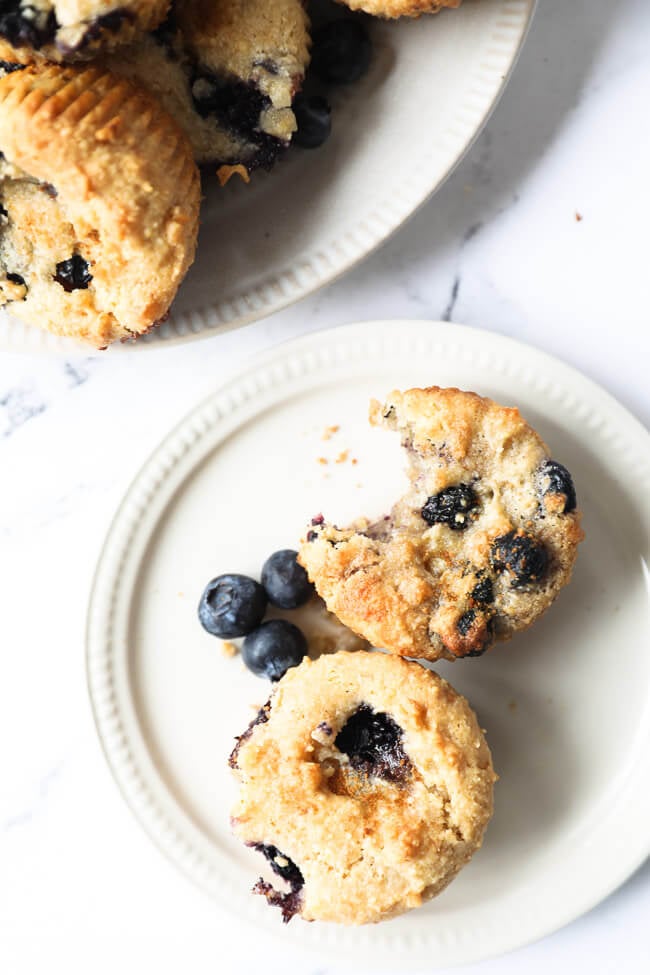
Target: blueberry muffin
99	200
366	783
63	30
391	9
476	550
227	70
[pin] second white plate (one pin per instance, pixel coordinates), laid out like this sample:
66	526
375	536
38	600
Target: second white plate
396	135
565	705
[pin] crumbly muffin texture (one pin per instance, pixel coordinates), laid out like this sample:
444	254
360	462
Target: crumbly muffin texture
477	549
64	30
99	200
366	783
227	71
391	9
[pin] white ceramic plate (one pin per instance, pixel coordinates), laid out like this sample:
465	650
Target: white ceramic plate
397	135
566	705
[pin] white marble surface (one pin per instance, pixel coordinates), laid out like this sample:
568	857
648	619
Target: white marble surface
81	888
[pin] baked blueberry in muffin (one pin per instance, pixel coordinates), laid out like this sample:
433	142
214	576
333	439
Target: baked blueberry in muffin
477	549
6	67
228	71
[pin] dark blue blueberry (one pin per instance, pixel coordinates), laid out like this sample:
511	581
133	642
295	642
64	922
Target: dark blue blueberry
373	743
555	479
454	506
73	274
341	52
314	118
523	556
273	647
287	584
483	636
25	25
289	902
281	865
238	106
465	621
232	605
8	67
483	591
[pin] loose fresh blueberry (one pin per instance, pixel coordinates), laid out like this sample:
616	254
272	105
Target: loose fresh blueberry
341	52
73	274
273	647
232	605
373	743
314	118
287	584
483	591
555	479
521	555
454	506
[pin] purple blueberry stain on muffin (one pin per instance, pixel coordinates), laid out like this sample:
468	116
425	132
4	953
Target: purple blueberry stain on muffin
289	901
372	741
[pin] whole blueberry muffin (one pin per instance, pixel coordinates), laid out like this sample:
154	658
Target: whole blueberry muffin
228	71
400	8
64	30
99	202
366	783
477	549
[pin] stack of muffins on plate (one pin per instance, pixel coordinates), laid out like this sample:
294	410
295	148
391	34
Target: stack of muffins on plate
106	108
105	112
